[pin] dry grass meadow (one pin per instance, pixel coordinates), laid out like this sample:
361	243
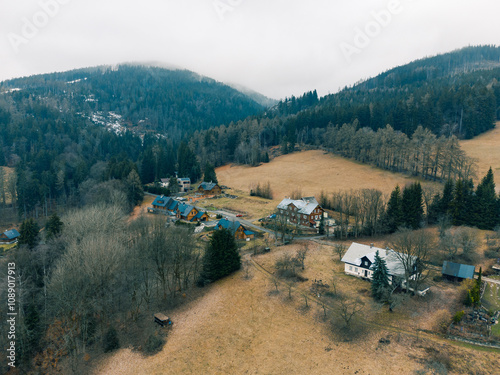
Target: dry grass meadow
485	148
311	172
241	325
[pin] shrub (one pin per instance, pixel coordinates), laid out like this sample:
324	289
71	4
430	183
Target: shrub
111	341
457	318
154	344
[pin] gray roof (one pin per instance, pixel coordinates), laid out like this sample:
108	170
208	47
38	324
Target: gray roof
304	205
464	271
357	251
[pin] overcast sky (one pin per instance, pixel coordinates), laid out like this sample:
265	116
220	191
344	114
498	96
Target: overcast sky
276	47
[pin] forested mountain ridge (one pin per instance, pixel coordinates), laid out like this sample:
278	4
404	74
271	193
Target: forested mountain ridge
145	98
427	104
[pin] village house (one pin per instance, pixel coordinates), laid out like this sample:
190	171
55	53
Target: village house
359	258
236	228
9	237
209	189
190	213
457	271
305	211
164	205
183	183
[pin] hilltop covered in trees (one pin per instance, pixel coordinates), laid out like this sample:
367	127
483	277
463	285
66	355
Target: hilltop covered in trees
451	95
408	119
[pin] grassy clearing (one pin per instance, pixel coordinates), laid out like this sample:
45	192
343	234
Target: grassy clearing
242	325
4	248
311	172
485	149
491	297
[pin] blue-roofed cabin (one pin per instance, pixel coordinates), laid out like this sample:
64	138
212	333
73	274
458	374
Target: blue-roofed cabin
9	237
457	271
209	189
236	228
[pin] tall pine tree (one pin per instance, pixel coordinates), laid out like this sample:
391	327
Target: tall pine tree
380	278
222	257
412	203
486	214
394	213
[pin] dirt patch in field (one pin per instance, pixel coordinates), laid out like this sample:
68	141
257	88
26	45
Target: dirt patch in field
311	172
486	149
142	209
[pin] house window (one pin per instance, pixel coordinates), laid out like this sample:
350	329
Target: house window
350	268
355	269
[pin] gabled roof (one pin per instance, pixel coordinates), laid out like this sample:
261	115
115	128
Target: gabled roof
11	234
207	186
357	251
162	201
198	216
164	180
185	209
464	271
232	226
305	205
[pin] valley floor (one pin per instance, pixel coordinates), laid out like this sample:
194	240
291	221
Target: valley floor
242	326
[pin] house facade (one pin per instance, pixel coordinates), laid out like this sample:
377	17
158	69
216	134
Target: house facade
236	228
183	183
359	258
305	211
209	189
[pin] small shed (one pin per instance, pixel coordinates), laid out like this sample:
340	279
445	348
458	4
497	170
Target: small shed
457	271
162	320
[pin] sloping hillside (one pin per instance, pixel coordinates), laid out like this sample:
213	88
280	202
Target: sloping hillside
485	148
311	172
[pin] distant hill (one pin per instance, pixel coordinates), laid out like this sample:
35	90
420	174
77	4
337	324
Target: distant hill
141	98
440	98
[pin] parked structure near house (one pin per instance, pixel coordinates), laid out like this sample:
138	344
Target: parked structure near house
236	228
184	183
209	189
305	211
457	271
9	237
359	258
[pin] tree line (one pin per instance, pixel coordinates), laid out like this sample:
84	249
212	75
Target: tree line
95	272
367	212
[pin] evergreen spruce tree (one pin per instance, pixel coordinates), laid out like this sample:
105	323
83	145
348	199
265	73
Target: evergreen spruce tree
486	214
209	174
29	233
53	226
445	201
222	257
380	278
321	229
412	206
462	204
394	214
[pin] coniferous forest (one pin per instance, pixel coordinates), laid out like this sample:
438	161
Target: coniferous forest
69	134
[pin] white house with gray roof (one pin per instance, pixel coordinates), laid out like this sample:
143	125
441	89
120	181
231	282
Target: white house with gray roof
305	211
359	258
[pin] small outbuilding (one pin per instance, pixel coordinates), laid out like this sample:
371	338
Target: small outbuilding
9	237
457	271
